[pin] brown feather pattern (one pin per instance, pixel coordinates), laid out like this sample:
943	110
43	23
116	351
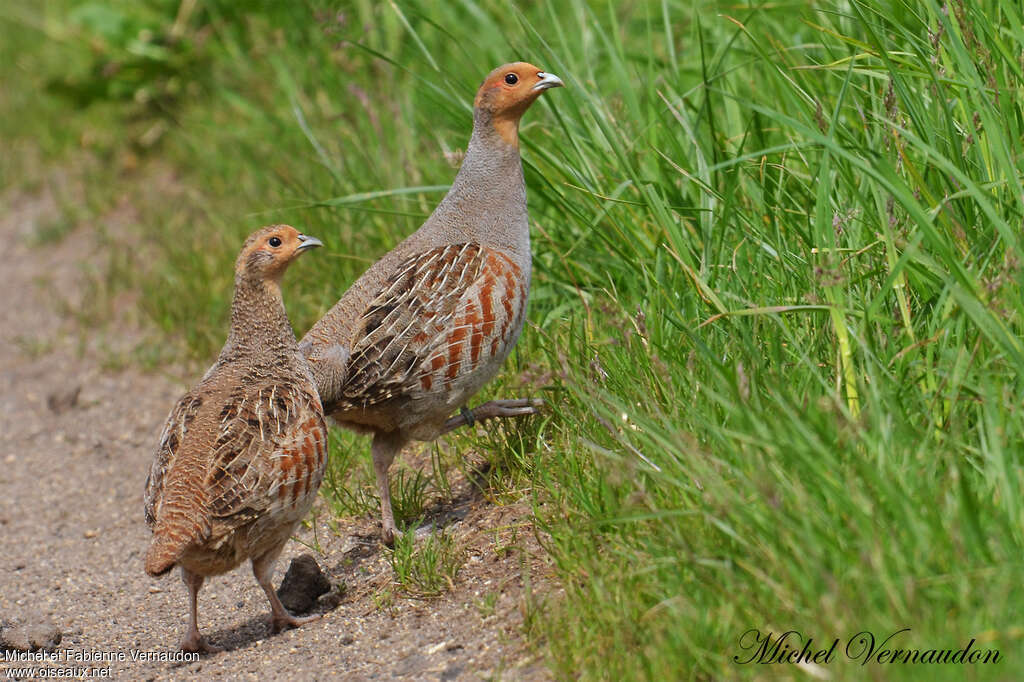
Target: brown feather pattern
444	312
267	461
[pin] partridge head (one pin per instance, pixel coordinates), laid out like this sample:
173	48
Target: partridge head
268	252
507	93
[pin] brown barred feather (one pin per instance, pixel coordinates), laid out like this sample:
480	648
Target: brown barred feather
444	312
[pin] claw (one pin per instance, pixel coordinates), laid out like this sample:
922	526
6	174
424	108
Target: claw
194	644
279	623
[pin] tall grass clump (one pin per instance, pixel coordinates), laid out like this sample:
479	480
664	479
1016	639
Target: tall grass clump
776	304
800	358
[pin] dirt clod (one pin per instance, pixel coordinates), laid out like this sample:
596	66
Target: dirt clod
63	400
303	584
452	672
31	637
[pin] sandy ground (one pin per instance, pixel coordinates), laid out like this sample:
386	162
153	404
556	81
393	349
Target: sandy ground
75	446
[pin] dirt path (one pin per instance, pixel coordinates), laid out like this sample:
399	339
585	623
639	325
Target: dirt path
75	445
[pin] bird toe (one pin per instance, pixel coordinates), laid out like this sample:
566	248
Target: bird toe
195	644
288	621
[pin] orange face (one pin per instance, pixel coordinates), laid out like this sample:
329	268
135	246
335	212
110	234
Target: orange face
509	90
269	250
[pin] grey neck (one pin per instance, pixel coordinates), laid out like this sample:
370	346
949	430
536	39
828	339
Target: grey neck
487	200
259	322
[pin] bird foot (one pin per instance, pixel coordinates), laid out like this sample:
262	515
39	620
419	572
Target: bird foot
195	644
387	535
494	409
286	621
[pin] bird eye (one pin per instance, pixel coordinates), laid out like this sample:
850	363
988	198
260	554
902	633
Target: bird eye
511	79
275	242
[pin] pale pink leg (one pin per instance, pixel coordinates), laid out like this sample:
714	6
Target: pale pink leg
385	447
263	569
494	409
193	641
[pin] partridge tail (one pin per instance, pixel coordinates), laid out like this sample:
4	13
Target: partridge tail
178	527
164	552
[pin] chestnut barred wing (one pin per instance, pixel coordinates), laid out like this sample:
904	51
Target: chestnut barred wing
446	311
269	455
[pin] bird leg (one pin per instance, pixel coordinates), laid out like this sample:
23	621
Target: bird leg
193	642
263	570
492	410
385	447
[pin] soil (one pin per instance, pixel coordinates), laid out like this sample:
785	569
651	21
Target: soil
76	441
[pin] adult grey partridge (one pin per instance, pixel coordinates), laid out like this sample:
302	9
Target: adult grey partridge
432	321
242	454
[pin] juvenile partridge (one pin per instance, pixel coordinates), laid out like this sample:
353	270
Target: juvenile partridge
242	454
433	320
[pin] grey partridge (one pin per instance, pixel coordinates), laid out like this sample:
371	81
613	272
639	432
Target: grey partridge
242	454
432	321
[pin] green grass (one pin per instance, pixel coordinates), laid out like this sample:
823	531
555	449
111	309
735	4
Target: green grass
428	568
777	297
